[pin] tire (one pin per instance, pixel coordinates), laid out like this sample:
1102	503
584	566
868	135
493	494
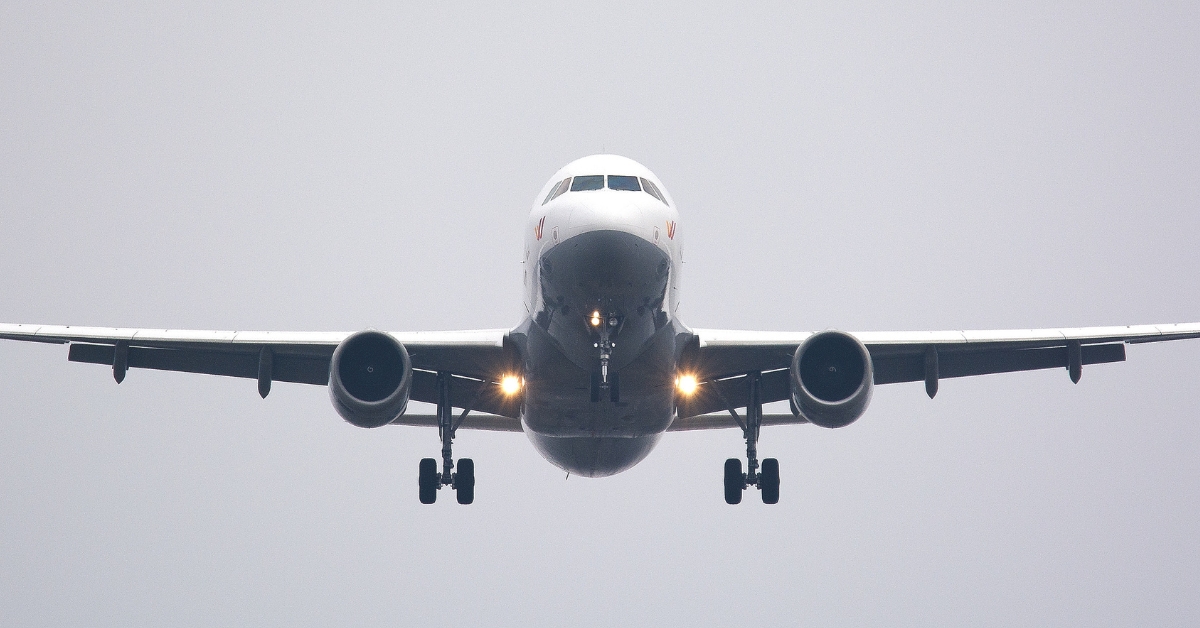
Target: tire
734	481
428	481
464	481
769	481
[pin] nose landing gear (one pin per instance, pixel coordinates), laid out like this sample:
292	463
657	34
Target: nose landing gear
767	480
606	326
429	480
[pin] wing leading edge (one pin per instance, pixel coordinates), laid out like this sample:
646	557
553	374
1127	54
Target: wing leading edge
723	357
475	358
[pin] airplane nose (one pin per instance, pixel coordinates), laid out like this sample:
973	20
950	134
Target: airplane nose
605	213
610	271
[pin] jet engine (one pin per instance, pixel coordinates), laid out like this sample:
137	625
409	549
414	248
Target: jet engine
831	379
370	378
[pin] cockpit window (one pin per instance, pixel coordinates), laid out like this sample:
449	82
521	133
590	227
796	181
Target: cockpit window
587	182
557	190
562	188
623	182
653	190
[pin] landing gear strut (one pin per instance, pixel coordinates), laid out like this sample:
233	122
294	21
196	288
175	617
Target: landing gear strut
430	481
606	326
767	480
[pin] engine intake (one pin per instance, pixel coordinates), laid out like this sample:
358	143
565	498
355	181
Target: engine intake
370	379
832	379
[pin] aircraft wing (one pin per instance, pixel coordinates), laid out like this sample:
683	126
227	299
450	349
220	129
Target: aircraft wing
723	357
475	358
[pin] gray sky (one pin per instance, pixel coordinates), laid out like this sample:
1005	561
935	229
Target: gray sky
853	166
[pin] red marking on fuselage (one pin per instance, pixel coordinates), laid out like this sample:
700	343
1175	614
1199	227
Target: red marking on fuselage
537	231
671	229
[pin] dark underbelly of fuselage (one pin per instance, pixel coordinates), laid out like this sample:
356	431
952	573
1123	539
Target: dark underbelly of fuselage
580	420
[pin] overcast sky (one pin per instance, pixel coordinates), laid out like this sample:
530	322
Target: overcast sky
852	166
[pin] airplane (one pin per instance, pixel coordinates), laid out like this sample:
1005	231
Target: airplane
601	366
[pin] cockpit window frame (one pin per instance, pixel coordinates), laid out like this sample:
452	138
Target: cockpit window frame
651	189
605	182
626	179
558	190
587	179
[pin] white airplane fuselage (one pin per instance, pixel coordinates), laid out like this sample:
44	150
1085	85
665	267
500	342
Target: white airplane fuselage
601	342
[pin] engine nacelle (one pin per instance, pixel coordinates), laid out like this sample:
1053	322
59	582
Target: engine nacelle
370	378
832	379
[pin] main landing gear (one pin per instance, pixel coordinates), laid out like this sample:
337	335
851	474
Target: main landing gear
766	479
463	481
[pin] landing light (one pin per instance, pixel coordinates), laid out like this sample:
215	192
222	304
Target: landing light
510	384
686	384
596	319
